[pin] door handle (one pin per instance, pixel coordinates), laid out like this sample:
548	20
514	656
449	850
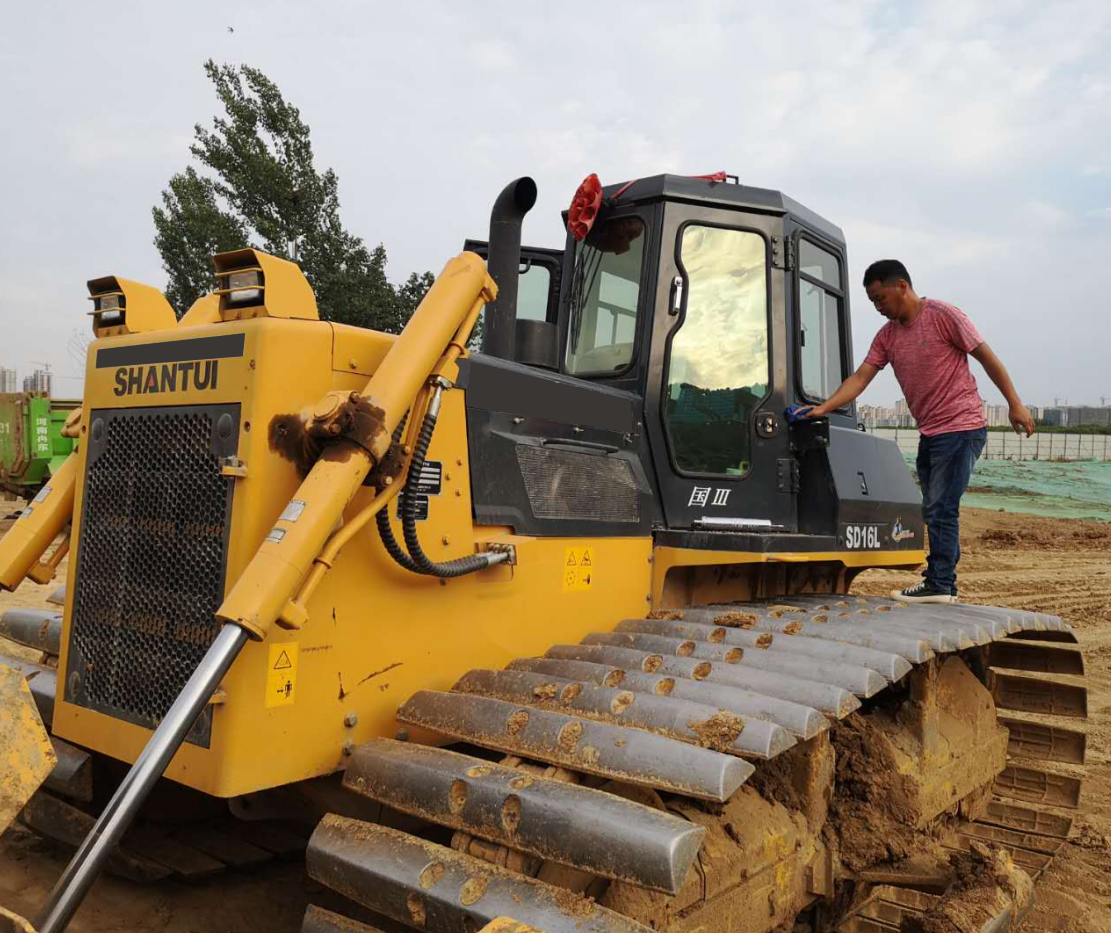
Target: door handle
676	296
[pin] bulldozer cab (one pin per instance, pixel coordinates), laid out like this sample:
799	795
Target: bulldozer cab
710	307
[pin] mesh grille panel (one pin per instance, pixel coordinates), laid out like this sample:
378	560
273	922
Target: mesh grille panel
152	553
568	484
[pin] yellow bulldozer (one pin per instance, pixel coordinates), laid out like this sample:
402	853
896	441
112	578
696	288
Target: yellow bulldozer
558	634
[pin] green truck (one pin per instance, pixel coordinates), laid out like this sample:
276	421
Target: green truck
31	442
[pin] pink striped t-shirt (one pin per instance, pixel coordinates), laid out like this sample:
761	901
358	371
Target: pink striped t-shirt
930	358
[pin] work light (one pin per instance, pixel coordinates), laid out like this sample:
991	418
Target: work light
244	287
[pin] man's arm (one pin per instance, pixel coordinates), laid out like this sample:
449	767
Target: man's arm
1019	414
848	390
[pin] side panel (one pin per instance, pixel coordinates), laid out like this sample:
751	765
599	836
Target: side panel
553	455
378	633
860	490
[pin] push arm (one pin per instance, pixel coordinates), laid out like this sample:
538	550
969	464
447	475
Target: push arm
41	522
1019	414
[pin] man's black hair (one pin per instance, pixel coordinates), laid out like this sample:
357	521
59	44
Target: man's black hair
887	271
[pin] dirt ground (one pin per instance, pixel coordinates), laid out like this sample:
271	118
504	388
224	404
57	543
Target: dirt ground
1052	565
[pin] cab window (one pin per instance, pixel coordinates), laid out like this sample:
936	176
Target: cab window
533	287
718	365
820	355
605	293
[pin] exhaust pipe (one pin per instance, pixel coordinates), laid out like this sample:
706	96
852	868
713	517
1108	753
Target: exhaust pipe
499	329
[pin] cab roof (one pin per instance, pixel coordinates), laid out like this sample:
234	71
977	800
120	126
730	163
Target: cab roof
727	193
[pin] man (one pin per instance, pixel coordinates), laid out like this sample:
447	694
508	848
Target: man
928	343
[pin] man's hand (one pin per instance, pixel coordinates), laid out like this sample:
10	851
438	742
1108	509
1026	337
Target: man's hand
1021	420
1019	414
799	413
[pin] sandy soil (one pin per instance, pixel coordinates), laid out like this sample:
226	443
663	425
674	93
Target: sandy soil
1053	565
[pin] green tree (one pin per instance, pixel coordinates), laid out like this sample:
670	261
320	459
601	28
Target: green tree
261	188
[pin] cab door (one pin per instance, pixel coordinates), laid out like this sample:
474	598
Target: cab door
716	390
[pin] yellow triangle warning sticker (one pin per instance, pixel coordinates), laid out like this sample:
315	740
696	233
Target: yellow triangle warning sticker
578	569
281	678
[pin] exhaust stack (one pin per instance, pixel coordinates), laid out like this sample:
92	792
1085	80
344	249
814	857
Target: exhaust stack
499	329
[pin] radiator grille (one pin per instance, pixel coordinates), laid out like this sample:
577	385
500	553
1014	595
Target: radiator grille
572	485
151	558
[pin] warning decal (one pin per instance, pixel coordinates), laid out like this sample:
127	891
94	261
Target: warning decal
578	569
281	674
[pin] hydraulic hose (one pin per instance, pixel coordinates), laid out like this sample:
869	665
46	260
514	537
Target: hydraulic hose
416	556
385	531
395	550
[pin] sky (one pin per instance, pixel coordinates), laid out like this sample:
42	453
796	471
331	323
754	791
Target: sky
969	138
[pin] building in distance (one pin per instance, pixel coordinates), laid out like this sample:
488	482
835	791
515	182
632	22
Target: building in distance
39	381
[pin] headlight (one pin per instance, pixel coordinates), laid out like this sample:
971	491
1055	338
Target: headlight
244	287
108	310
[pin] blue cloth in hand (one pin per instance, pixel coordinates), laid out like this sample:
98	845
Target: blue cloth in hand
797	413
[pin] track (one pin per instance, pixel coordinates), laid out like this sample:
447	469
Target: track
681	705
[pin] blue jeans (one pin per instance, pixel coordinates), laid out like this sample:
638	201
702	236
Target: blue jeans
945	463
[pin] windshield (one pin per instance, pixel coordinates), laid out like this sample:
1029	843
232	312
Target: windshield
605	291
719	363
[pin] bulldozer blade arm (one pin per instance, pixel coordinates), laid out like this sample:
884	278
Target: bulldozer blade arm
439	890
26	755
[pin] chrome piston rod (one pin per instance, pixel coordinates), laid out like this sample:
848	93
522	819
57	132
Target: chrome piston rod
102	840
